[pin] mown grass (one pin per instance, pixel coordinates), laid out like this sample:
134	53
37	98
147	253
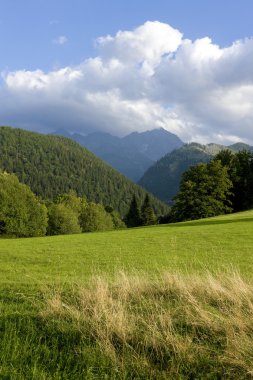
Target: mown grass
180	308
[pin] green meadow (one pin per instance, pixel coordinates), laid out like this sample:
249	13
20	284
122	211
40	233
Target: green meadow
80	306
225	241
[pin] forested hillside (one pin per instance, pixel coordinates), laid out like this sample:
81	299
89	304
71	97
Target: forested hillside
53	165
163	178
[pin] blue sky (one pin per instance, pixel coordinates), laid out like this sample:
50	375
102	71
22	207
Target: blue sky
28	27
122	66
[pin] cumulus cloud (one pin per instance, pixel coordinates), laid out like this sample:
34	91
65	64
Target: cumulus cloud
61	40
143	79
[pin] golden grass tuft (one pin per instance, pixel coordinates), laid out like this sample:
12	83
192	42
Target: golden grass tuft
173	325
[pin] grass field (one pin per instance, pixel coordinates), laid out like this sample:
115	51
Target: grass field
54	317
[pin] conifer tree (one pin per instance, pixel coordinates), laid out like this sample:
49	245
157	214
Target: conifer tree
147	212
240	171
133	217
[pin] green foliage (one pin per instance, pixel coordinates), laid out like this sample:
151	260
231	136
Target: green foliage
116	219
62	220
204	192
240	170
72	201
227	158
133	217
147	213
53	165
72	214
243	181
163	178
93	217
21	213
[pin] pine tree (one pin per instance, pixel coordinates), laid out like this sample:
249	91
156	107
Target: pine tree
147	212
240	171
133	217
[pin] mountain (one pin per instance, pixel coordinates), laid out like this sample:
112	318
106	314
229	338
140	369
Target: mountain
52	165
163	178
240	146
131	155
112	150
153	144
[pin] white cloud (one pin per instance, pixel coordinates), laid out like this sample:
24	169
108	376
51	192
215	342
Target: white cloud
61	40
145	45
142	79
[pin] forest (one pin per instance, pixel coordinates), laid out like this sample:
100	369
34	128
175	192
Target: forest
53	165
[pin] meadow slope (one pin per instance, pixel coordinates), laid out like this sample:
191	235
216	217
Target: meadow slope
170	301
225	241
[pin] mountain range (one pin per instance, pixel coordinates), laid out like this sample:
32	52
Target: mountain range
131	155
53	164
154	159
163	178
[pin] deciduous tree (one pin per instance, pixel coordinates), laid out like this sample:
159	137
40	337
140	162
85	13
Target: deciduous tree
205	191
21	212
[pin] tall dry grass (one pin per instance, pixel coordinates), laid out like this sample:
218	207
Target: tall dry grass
174	326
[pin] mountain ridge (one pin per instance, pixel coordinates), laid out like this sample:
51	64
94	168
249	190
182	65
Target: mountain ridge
132	154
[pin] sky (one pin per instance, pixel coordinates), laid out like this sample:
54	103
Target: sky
122	66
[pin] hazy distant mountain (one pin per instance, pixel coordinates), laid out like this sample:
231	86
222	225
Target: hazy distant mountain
62	132
163	178
240	146
131	155
153	144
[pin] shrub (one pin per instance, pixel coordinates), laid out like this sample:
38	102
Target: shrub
93	217
62	220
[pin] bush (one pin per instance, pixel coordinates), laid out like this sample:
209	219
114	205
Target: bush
93	217
62	220
116	219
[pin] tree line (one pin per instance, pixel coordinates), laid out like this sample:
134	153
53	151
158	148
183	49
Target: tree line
23	214
222	186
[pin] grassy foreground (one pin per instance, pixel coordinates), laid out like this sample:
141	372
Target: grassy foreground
162	302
